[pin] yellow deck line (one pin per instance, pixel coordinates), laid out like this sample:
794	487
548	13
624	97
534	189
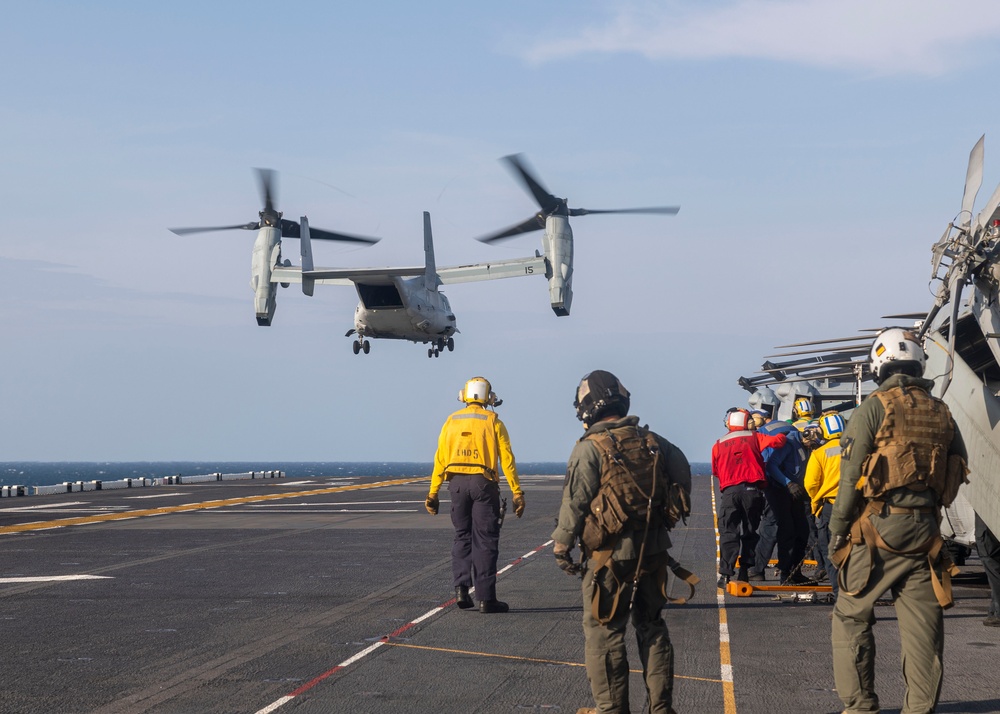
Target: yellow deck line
221	503
521	658
725	657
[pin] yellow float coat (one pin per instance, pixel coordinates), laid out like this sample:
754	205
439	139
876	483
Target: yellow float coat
822	477
474	441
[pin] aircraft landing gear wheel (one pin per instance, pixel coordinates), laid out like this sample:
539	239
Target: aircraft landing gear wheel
437	352
356	346
451	344
430	351
366	346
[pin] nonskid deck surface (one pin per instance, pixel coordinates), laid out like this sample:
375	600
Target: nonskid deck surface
335	596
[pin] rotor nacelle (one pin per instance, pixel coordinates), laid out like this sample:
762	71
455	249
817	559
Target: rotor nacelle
557	242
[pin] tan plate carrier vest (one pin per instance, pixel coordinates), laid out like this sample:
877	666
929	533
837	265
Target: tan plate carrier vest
636	492
911	451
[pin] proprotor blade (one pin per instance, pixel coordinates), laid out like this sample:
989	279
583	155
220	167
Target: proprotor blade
546	201
973	180
291	229
265	180
668	210
535	223
205	229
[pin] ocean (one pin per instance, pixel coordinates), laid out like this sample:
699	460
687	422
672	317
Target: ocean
44	473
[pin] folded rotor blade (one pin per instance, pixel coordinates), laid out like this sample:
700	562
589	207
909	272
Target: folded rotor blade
990	212
535	223
291	229
800	368
840	351
906	316
205	229
973	180
662	210
546	201
823	342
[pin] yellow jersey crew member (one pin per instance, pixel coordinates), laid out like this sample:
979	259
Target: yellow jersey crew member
902	460
821	482
472	450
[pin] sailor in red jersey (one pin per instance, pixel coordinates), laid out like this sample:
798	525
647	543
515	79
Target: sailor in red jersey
737	463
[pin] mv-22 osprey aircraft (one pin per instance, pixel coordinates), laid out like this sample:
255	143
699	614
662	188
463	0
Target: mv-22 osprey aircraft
405	303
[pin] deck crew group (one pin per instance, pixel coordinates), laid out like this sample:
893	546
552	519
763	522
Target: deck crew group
864	498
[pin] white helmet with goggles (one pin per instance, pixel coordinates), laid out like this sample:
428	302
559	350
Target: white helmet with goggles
896	350
479	391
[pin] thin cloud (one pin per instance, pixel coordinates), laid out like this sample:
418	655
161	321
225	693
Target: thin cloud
919	37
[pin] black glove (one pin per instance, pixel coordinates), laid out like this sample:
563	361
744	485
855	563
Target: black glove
563	559
431	504
797	492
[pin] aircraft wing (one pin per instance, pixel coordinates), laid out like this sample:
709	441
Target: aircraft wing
515	268
342	276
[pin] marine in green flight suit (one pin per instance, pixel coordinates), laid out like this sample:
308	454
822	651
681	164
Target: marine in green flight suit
602	404
903	458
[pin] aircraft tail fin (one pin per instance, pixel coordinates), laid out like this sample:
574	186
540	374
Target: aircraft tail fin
431	280
305	248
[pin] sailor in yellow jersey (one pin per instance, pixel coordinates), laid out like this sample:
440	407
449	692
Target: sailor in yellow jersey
821	482
472	450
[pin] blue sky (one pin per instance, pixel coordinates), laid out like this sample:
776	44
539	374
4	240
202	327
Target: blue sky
817	151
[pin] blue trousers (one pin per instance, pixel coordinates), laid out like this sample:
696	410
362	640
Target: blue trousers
784	521
475	513
823	545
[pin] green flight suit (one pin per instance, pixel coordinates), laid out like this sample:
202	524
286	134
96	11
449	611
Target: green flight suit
907	577
607	665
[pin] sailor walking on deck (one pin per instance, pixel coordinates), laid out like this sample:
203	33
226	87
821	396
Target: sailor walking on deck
472	449
903	459
625	487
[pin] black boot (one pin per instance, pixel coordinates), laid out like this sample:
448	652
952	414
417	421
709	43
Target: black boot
490	606
462	598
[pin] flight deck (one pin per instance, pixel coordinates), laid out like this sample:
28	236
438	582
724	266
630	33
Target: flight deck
334	595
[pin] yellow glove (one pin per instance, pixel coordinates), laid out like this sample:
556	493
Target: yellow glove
519	504
431	504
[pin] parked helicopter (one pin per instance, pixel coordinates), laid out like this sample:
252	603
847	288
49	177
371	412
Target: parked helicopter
405	303
961	339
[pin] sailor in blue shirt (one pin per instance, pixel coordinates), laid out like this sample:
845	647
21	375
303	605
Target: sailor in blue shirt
784	520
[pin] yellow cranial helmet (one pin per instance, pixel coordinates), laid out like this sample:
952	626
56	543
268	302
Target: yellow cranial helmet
478	391
832	426
803	408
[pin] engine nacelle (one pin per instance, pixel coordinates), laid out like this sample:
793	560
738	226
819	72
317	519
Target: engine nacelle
266	253
558	246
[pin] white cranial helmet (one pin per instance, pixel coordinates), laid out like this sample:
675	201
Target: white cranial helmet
478	390
896	350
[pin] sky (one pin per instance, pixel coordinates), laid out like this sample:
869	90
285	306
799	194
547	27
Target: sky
817	150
